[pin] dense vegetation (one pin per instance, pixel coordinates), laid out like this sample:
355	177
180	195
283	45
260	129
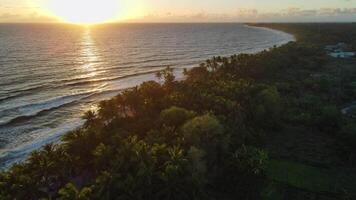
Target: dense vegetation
320	34
231	130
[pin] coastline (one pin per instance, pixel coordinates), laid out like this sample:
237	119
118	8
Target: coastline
251	25
27	148
266	124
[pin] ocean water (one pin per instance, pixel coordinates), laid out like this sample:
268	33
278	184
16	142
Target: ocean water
50	74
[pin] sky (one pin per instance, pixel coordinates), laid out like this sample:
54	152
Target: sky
189	10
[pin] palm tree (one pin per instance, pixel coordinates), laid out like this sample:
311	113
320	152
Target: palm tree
90	118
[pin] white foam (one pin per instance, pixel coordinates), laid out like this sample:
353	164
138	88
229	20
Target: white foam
45	136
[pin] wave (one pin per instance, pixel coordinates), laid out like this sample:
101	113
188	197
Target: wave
118	63
26	112
127	65
85	82
21	93
12	94
8	97
49	135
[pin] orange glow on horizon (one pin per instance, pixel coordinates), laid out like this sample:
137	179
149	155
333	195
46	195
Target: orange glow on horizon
84	12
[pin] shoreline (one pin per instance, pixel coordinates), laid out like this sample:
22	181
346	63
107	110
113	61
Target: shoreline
272	30
55	136
250	126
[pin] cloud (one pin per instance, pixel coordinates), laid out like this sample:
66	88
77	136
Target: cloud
8	16
31	17
292	14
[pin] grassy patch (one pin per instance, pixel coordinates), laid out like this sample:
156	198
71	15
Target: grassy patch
300	176
331	181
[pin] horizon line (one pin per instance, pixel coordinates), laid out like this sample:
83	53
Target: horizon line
197	22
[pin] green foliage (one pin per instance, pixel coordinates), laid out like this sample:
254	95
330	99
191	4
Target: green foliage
70	192
206	133
268	107
203	129
175	116
330	119
200	138
251	160
244	172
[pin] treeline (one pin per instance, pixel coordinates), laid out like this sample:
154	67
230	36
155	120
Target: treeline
200	138
319	33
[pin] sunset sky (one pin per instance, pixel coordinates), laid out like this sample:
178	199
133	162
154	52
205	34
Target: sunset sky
178	10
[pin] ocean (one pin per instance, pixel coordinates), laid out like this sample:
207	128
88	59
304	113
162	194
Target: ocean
50	74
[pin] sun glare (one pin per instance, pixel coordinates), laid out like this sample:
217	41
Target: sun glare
84	11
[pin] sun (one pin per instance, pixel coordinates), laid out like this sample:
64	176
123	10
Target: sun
84	11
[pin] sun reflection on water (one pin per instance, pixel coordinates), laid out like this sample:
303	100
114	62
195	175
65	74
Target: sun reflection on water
89	54
89	70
